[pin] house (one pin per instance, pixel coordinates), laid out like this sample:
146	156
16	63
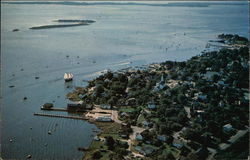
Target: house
162	138
124	114
105	106
208	69
145	150
244	64
138	137
177	143
221	83
200	111
104	119
89	106
105	94
228	128
151	105
202	97
210	74
221	104
159	86
125	136
106	80
147	124
96	138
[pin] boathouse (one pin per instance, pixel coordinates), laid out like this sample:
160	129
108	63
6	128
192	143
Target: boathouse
47	106
76	106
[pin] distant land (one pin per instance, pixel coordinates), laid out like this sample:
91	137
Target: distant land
120	0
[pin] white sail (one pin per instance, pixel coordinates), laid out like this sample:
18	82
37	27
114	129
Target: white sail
65	76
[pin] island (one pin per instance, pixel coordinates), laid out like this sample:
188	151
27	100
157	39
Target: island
73	23
192	110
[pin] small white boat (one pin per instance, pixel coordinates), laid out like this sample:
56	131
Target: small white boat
68	77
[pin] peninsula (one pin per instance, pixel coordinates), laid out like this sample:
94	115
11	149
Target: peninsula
191	110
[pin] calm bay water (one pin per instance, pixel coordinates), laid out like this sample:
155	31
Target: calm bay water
124	34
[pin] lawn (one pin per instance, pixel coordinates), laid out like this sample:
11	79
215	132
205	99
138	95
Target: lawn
127	109
141	118
107	129
174	151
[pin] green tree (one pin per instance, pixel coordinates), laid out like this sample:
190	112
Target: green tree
112	101
109	75
110	142
97	155
99	90
181	98
166	155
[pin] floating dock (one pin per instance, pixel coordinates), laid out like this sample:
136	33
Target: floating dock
60	116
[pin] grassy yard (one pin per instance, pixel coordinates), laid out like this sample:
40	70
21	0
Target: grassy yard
155	120
127	109
107	129
141	118
173	150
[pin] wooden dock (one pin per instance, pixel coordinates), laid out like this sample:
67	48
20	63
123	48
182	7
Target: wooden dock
60	116
54	109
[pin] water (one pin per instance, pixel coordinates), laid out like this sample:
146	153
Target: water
124	34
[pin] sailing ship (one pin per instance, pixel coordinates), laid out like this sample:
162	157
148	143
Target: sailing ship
68	77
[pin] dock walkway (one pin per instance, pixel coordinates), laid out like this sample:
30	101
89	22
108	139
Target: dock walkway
60	116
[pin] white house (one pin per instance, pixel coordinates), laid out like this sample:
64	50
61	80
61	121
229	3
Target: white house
160	85
104	119
227	128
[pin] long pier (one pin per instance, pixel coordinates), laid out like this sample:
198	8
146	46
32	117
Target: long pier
54	109
60	116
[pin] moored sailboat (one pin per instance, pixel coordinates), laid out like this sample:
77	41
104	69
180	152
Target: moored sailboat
68	77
